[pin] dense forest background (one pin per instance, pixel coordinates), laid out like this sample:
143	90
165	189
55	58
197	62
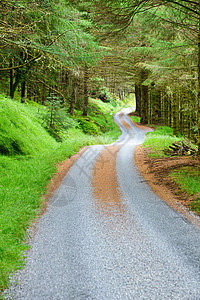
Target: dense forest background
58	53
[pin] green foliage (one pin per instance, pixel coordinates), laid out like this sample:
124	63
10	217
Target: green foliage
88	126
114	131
42	41
188	179
98	117
98	87
195	205
135	119
56	119
99	90
160	139
19	134
98	120
59	30
162	130
109	97
112	106
102	114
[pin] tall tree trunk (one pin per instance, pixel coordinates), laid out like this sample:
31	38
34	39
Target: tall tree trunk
15	84
43	98
181	119
85	109
73	97
162	106
144	104
166	112
18	78
12	75
155	105
138	98
149	107
175	114
29	92
23	91
159	105
144	95
198	100
170	111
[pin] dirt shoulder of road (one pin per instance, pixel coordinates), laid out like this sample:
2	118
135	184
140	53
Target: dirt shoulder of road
62	169
156	173
55	182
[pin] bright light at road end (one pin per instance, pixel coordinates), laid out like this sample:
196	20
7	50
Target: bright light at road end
128	110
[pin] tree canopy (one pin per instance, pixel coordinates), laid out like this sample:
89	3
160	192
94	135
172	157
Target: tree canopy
149	47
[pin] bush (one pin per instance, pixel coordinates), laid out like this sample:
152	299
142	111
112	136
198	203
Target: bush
56	120
88	126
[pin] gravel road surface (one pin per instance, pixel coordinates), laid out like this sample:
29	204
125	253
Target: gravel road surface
139	248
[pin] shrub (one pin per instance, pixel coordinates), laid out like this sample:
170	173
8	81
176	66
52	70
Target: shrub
56	120
88	126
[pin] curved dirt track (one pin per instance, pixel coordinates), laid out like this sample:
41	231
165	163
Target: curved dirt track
106	235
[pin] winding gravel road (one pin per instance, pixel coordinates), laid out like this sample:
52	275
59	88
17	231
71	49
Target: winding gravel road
106	235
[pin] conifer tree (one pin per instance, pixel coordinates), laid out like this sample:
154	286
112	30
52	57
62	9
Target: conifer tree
183	15
43	33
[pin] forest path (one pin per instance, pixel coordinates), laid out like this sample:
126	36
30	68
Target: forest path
106	235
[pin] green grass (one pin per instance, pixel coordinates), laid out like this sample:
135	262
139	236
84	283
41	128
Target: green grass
188	180
100	120
160	139
28	160
19	134
103	107
114	131
102	115
135	119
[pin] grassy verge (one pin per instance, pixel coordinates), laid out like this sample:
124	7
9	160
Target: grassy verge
135	119
28	159
105	122
159	140
187	178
